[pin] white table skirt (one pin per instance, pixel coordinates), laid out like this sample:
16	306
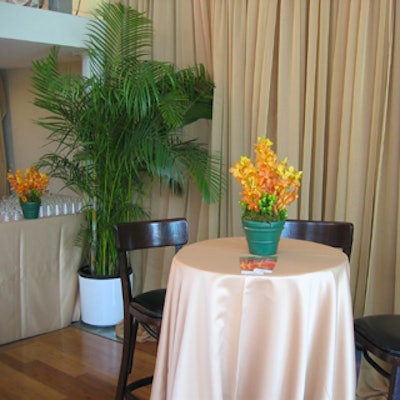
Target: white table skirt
38	275
284	336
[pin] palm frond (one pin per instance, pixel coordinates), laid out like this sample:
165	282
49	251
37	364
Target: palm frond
118	35
118	130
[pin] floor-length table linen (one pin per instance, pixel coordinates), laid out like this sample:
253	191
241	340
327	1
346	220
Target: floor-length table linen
284	336
38	275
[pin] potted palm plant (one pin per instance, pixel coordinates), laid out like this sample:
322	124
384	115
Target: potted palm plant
119	129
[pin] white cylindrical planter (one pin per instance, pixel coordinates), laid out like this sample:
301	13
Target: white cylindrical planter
101	300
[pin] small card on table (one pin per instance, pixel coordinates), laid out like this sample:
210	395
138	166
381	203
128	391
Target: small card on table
257	265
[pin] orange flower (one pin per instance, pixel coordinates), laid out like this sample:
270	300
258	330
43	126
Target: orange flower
268	187
28	185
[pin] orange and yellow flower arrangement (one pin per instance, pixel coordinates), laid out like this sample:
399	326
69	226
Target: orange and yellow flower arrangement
268	186
29	185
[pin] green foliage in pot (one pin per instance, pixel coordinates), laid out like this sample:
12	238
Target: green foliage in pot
118	130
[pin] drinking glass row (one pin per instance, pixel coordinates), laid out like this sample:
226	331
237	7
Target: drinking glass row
52	205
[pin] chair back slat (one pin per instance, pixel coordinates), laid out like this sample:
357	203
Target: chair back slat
332	233
139	235
157	233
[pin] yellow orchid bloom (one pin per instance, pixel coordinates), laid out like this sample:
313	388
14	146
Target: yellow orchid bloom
28	185
266	176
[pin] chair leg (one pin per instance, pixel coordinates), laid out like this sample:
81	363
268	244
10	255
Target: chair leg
394	385
358	356
128	350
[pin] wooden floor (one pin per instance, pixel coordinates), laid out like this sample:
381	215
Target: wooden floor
68	364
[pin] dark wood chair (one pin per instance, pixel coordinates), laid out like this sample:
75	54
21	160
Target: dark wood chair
375	334
332	233
146	308
380	335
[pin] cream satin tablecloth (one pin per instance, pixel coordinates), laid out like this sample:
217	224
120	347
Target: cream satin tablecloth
38	275
284	336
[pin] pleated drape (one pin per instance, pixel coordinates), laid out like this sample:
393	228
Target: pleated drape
321	80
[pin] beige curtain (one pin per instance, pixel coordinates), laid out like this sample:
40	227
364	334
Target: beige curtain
320	79
316	78
3	160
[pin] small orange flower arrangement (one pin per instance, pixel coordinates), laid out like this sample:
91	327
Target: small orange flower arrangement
268	186
29	185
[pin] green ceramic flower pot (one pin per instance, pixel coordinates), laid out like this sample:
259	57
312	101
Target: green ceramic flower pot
263	237
30	209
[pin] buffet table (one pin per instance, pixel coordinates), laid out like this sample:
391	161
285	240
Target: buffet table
285	335
38	275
